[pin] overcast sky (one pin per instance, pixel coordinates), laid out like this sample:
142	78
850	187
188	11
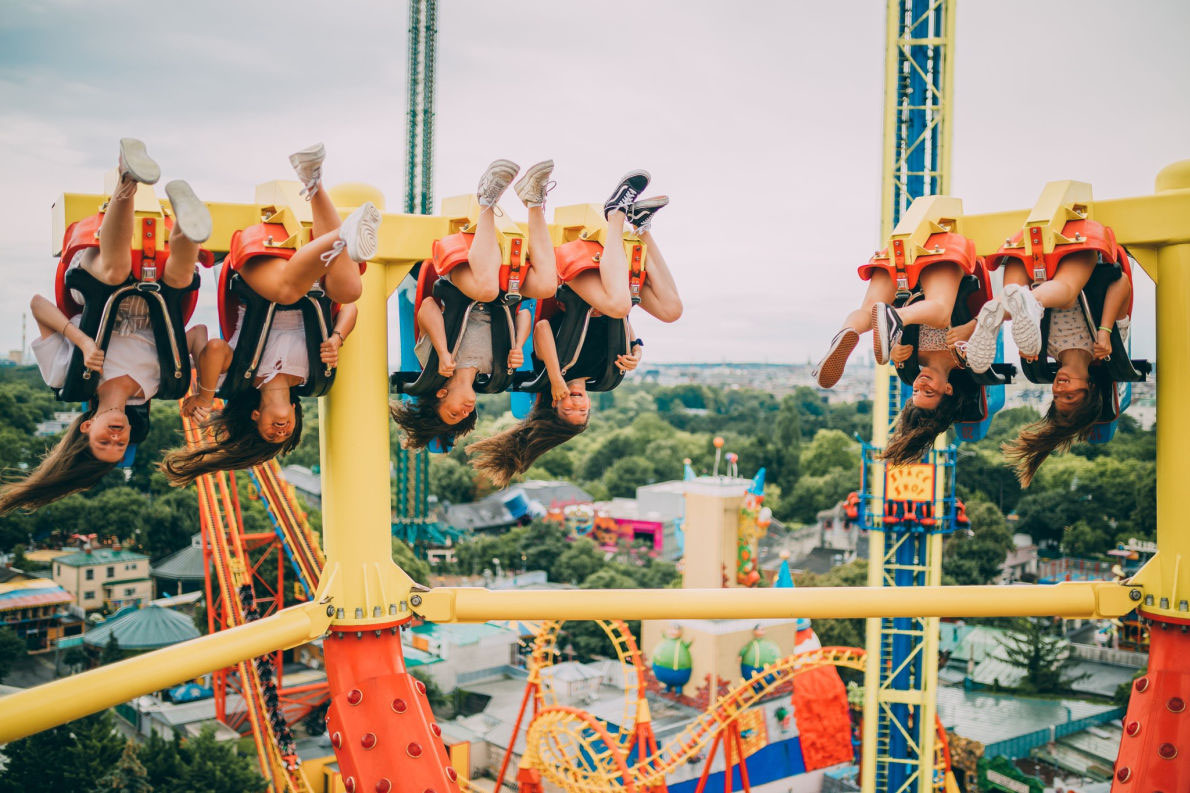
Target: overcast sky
762	121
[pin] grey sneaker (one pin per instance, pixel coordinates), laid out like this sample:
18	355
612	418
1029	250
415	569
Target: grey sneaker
358	232
981	347
532	187
192	217
495	181
830	368
1026	319
307	164
631	185
136	163
640	214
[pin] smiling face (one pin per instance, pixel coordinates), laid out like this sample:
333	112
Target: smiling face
275	423
108	435
575	407
929	388
456	400
1070	390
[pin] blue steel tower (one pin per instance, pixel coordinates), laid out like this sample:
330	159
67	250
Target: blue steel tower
899	737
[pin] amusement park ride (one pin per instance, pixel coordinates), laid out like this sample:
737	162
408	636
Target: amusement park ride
380	723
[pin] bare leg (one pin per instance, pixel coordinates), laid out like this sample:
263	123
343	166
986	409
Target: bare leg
541	280
183	254
1063	289
114	263
880	290
479	277
940	284
607	291
659	293
342	279
196	339
286	281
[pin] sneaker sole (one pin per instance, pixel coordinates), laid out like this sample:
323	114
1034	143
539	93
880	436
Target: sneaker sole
830	369
137	162
981	347
191	215
363	240
547	167
878	332
1026	335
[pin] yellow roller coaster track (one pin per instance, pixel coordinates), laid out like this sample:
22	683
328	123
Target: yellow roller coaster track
577	752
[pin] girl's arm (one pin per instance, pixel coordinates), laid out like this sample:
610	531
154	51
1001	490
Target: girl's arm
1114	301
524	323
626	363
50	320
429	319
547	351
344	323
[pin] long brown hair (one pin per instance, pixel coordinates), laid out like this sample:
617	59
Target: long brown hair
237	444
419	420
1054	433
69	467
503	456
918	427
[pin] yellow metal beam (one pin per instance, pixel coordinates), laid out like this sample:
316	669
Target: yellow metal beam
1083	600
42	707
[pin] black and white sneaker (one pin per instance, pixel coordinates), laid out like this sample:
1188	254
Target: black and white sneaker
640	214
631	185
886	331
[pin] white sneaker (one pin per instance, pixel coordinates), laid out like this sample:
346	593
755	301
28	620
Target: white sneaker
1026	319
981	347
495	181
532	187
191	216
307	164
358	232
136	163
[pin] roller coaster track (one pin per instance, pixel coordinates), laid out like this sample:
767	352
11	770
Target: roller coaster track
219	518
579	753
289	523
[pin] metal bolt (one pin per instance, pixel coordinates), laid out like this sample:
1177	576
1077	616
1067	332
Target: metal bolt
355	696
330	611
339	614
404	606
399	705
413	749
392	608
415	600
376	611
1148	600
1164	603
368	741
384	785
1134	594
359	612
1183	605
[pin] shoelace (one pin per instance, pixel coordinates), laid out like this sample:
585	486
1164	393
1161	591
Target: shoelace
335	250
311	187
125	190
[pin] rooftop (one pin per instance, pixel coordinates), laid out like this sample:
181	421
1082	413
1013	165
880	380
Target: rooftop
19	594
185	564
99	556
143	629
989	718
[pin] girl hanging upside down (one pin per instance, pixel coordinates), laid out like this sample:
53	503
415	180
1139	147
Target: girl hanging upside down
449	413
934	285
564	410
1077	396
257	424
130	369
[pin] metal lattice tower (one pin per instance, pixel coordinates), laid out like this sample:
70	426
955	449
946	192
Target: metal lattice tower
899	710
413	467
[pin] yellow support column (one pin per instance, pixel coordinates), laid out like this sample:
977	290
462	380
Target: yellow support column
361	579
1169	595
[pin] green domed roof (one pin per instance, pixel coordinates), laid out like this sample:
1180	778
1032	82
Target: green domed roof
672	653
143	629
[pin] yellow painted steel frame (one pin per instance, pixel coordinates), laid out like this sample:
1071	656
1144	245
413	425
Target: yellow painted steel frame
362	586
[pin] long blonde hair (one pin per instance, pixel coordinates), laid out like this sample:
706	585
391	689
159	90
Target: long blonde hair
69	467
1054	433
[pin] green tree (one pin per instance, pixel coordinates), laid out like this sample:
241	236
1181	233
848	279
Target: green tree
1083	540
627	474
451	480
406	559
1036	649
162	760
438	699
579	561
127	776
111	651
212	767
830	450
70	757
12	650
976	557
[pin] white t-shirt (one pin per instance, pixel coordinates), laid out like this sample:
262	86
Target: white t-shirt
284	352
131	351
